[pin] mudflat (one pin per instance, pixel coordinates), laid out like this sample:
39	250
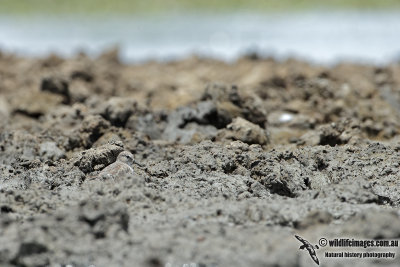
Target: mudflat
230	161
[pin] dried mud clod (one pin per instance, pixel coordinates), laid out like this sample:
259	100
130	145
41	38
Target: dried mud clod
245	131
98	158
231	102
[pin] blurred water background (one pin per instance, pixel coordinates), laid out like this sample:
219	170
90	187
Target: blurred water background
366	32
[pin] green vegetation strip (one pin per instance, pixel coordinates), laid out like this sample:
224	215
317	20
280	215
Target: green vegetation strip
149	6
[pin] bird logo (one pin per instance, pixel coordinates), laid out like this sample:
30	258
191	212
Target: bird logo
311	249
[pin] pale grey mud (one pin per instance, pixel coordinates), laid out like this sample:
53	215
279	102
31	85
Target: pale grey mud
230	161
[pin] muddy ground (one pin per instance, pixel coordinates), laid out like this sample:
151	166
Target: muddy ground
231	161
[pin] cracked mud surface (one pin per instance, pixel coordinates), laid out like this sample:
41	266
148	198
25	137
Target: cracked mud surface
231	160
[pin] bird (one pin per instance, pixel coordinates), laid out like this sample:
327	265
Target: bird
307	245
122	166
